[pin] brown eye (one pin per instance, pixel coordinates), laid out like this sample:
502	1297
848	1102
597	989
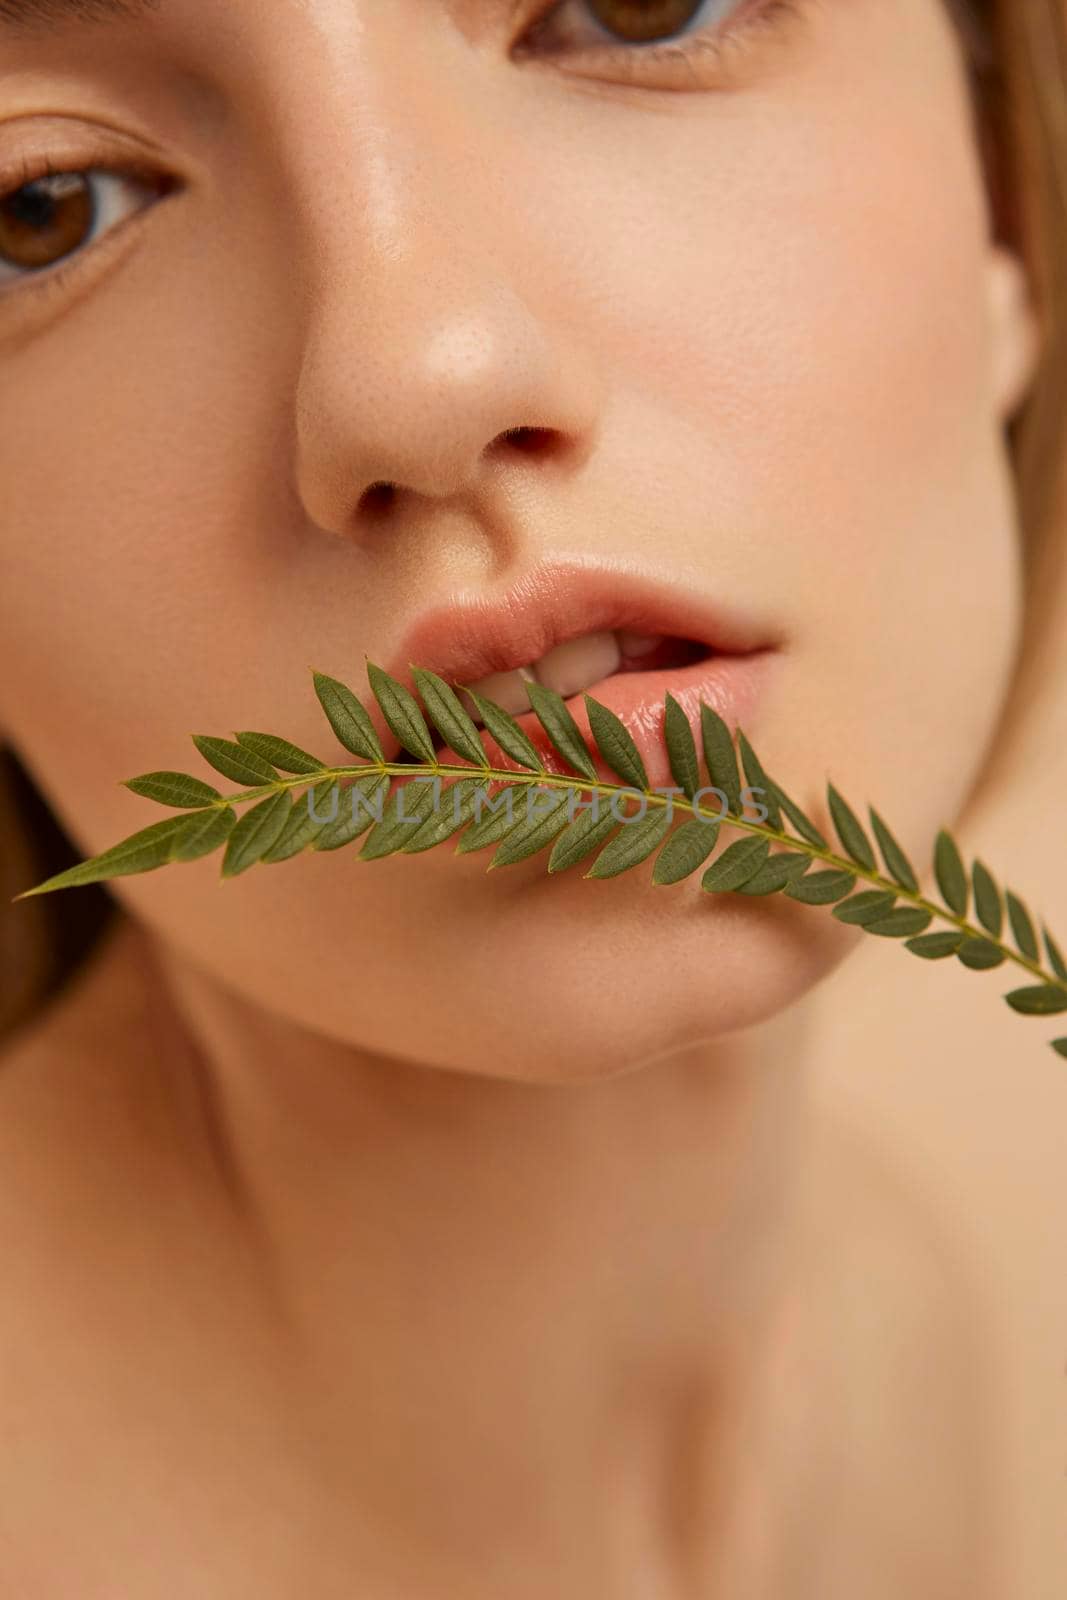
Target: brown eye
45	220
639	21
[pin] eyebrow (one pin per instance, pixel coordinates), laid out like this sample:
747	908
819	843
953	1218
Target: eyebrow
40	16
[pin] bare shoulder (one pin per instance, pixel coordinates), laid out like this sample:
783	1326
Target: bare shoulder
912	1368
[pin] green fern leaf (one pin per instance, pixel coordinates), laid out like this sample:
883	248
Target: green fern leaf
900	923
507	733
303	822
455	811
719	758
347	717
935	946
632	844
987	899
445	711
822	888
758	781
687	849
496	817
951	877
205	832
896	862
776	872
681	748
173	789
536	829
980	954
850	830
401	711
872	905
801	822
1055	955
254	834
402	812
1042	1000
234	761
1022	926
615	744
553	715
359	807
280	753
736	865
582	836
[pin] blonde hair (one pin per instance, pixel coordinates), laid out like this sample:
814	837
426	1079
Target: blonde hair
1016	52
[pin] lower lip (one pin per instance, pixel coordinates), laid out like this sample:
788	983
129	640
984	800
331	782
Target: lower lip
730	684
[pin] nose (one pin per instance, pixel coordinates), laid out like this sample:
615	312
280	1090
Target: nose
430	370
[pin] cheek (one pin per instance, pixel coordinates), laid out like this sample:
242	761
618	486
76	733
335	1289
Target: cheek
806	333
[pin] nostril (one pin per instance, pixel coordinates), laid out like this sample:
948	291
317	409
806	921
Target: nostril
531	441
378	496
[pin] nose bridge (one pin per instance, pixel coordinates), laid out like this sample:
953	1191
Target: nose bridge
420	346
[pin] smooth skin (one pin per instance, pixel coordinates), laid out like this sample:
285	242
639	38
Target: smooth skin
402	1230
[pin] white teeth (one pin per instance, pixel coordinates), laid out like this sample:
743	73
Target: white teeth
566	669
579	663
637	644
505	689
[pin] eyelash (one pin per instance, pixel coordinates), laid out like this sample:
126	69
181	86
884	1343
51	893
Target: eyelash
635	62
27	170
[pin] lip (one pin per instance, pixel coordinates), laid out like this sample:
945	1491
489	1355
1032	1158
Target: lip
473	637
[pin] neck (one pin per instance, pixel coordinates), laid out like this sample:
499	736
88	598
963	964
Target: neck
536	1322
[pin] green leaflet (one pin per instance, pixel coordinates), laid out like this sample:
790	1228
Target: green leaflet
1055	955
554	717
758	781
1021	926
850	830
347	717
736	865
254	834
443	707
687	849
900	923
870	906
143	851
582	836
615	744
537	826
634	842
206	830
454	812
234	761
498	815
951	877
776	872
896	862
935	946
173	789
719	758
987	899
980	954
302	823
801	822
821	888
507	733
359	807
681	748
1042	1000
401	711
1060	1046
279	752
408	806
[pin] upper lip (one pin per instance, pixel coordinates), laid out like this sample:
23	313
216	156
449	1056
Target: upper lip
476	635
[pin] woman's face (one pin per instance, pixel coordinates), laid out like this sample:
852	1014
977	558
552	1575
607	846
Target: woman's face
739	283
